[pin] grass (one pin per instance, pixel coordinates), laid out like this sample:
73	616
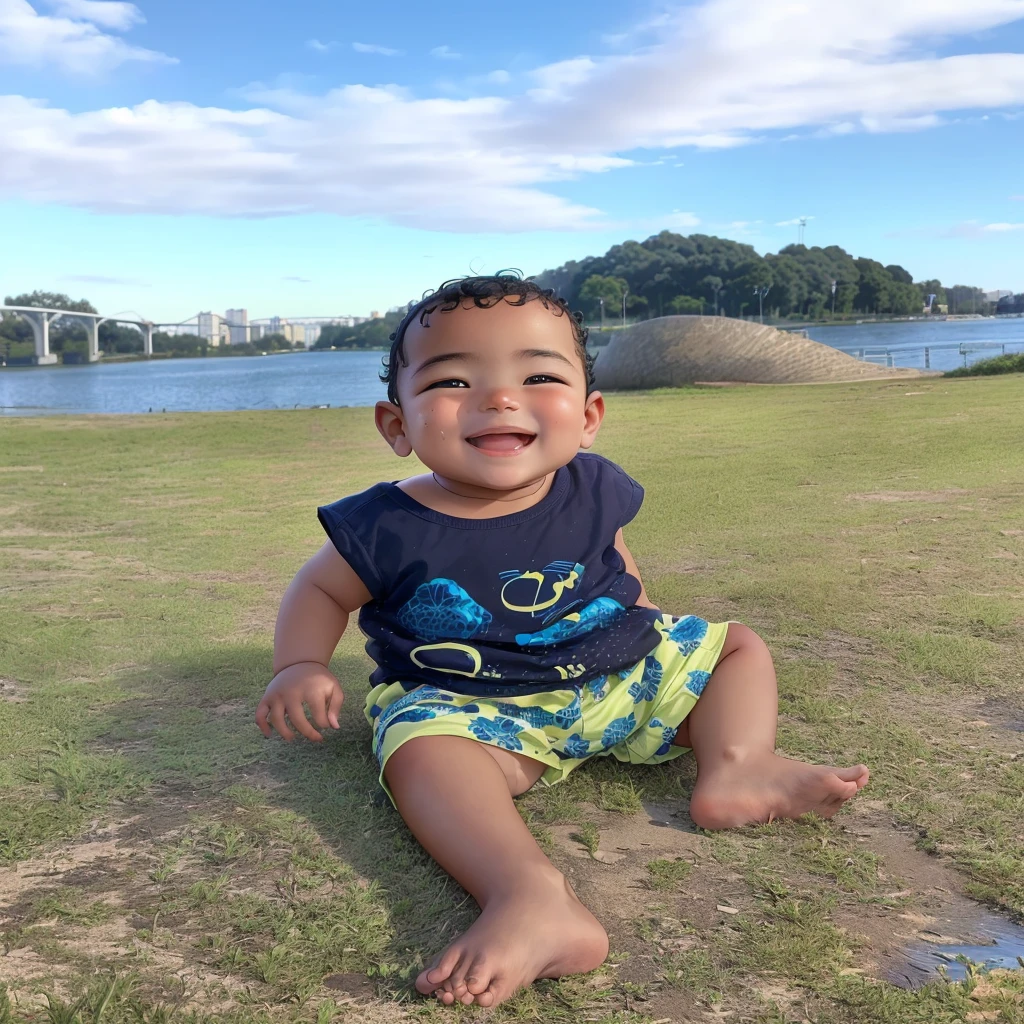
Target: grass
165	862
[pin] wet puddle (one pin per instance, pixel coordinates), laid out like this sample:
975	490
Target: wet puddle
995	942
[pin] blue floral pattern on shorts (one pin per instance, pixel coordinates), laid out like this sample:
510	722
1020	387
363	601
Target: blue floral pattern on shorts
618	730
576	746
696	681
502	732
688	633
646	687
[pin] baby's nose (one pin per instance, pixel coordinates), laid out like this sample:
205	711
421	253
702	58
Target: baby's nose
500	398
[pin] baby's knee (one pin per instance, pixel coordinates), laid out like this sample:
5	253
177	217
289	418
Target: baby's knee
742	638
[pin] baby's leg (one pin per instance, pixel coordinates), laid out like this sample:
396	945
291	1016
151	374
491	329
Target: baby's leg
455	797
740	778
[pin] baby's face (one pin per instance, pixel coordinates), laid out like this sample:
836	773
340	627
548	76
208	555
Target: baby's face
495	398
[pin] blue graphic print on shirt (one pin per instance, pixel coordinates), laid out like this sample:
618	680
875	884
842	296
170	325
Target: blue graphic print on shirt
441	609
601	612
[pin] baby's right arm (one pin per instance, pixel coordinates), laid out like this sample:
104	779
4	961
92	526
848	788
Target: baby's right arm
313	616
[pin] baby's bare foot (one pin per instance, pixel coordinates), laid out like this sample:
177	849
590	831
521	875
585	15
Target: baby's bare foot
544	933
767	787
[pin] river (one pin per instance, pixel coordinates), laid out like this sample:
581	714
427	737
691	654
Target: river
304	379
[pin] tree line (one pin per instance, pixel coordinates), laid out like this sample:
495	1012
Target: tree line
680	274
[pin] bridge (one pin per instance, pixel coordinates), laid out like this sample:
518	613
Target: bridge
40	319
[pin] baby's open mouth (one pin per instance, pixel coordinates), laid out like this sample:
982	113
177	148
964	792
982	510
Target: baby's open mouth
501	442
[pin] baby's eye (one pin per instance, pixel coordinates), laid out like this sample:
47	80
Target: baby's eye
543	378
449	382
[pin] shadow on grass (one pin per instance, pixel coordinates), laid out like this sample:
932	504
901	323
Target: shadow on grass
188	723
305	823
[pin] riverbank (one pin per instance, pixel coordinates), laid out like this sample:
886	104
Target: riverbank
151	832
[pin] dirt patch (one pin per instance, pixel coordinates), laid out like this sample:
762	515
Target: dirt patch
12	692
48	555
22	469
929	496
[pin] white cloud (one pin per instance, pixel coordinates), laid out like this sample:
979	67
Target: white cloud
498	77
70	43
111	14
384	51
792	222
104	279
445	53
975	229
715	74
319	47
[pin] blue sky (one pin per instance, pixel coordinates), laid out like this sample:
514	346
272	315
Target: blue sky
321	159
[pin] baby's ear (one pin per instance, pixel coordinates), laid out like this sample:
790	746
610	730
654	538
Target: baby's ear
391	425
593	414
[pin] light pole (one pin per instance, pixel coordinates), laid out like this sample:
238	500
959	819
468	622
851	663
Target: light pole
624	294
716	288
834	283
601	300
761	292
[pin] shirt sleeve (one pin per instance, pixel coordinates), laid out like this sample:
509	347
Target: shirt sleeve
621	495
345	523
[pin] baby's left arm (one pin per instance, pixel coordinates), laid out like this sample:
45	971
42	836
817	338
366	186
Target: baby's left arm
620	545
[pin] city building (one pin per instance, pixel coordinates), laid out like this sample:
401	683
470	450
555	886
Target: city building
208	326
238	323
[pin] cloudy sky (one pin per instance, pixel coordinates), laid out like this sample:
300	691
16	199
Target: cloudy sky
320	158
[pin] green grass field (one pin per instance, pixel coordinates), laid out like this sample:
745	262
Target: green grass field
160	860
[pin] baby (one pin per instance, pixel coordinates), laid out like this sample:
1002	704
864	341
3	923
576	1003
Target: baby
512	634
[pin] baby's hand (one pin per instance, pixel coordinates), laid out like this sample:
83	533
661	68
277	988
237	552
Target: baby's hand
309	684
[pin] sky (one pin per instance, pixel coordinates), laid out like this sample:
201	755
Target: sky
322	159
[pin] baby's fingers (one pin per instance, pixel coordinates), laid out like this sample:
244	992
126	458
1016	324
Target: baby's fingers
276	719
261	717
297	716
334	706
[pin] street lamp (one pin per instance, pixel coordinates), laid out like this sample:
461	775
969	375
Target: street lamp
834	283
624	294
761	292
601	300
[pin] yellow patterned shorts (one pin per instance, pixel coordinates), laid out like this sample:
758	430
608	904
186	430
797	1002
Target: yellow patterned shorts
632	715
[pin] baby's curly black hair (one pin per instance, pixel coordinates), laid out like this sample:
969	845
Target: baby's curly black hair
484	292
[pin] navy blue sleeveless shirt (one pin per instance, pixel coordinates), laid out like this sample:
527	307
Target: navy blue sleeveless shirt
533	601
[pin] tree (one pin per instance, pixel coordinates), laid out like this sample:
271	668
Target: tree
275	342
1011	304
710	286
119	338
684	305
179	344
875	286
51	300
898	274
598	287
